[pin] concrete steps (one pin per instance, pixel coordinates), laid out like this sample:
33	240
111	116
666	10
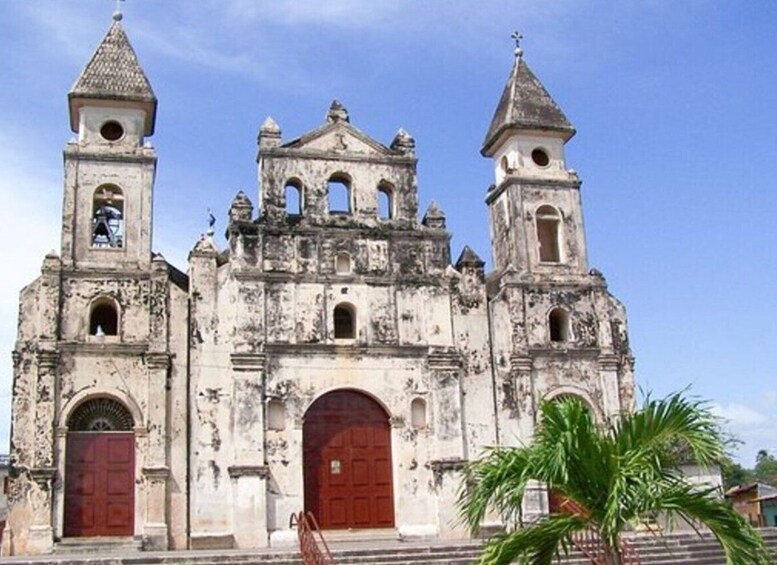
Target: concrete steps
672	549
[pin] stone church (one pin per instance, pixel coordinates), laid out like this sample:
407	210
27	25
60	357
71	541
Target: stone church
331	358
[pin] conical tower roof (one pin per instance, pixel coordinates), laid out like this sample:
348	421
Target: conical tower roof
113	73
525	105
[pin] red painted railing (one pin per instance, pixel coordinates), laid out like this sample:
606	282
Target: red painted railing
590	543
313	552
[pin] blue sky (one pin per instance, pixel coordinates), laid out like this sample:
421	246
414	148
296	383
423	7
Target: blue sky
674	101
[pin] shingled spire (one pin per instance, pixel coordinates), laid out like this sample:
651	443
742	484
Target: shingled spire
113	73
525	105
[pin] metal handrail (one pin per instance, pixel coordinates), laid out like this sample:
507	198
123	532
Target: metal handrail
312	552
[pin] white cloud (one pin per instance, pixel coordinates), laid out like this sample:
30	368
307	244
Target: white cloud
750	425
739	415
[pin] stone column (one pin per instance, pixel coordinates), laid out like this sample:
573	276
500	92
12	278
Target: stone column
248	473
156	470
610	387
43	472
525	398
40	538
445	366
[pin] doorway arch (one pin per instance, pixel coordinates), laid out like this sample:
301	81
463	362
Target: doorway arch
346	438
100	470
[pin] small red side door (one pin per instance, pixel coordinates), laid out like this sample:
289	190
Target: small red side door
100	484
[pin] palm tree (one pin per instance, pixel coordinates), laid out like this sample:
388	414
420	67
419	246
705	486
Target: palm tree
614	478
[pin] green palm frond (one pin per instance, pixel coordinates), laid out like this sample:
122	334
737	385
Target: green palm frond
742	544
615	477
537	545
497	480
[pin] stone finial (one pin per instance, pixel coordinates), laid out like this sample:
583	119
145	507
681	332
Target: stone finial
434	217
205	246
403	142
117	15
269	133
51	262
469	259
159	263
241	209
337	113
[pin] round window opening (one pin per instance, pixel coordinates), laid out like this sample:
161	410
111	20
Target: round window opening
540	158
112	131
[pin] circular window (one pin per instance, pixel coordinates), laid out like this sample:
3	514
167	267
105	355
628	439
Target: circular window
112	130
540	158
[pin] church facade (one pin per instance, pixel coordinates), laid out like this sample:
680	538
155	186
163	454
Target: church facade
332	358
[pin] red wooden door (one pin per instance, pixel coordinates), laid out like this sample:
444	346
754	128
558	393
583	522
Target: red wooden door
347	461
100	484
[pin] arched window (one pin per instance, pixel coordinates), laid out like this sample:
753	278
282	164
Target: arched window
108	217
104	318
276	415
548	222
343	263
385	201
293	194
339	188
345	321
418	413
100	415
558	325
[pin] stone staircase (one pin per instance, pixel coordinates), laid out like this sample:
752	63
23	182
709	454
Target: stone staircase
671	549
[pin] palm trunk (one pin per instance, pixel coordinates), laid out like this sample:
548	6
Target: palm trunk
612	555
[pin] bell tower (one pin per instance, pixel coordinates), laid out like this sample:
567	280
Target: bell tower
109	167
534	205
559	331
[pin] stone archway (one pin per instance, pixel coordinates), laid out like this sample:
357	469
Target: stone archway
100	470
346	440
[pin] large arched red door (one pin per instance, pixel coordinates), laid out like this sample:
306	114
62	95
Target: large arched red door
100	471
347	462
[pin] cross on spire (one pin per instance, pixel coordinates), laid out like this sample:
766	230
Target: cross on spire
517	37
117	15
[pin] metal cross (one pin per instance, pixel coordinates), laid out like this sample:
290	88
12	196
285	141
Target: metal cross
518	37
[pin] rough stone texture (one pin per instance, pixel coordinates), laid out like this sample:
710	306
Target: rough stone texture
218	367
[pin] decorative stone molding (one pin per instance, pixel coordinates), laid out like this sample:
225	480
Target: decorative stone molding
520	364
609	362
328	349
43	475
440	467
101	349
158	360
248	361
237	471
48	359
444	360
156	473
397	421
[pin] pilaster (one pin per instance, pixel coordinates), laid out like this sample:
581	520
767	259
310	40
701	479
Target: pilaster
248	473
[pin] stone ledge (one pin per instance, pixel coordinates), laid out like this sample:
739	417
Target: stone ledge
248	361
237	471
353	349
